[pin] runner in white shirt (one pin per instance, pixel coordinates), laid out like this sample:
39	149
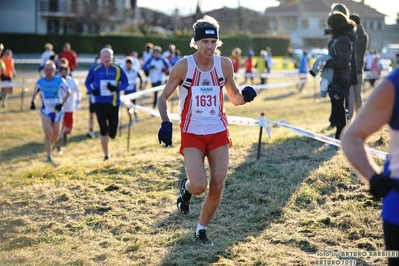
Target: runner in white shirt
133	75
201	79
71	105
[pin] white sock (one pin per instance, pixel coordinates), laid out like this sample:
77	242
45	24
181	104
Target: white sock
185	186
199	227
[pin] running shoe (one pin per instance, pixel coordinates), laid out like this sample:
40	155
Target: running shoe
59	149
106	157
91	135
202	239
183	200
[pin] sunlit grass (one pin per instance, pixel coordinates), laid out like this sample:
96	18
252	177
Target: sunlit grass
297	199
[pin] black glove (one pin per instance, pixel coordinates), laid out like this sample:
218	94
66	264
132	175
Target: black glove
95	92
380	185
327	32
58	107
165	133
249	94
32	105
112	87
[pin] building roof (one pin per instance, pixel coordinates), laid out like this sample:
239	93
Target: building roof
322	6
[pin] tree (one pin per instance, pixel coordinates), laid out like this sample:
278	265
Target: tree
94	15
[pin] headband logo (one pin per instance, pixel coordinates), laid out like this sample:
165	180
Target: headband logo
208	32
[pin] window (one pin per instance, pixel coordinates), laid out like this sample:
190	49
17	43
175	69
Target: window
53	26
304	23
322	24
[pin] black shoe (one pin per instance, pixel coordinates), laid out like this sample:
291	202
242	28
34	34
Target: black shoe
106	157
201	239
183	200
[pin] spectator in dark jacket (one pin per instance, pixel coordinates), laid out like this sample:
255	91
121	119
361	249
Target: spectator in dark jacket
361	46
343	36
339	7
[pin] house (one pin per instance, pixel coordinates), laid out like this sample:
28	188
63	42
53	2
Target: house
64	16
305	20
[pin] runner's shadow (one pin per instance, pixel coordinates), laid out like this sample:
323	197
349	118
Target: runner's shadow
255	195
24	152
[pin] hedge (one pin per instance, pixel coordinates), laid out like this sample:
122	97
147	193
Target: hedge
125	44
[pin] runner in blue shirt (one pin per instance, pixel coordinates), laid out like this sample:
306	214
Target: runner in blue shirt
54	92
105	81
381	109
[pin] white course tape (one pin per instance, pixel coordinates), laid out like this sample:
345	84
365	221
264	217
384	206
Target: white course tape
232	120
322	138
244	121
275	85
125	99
7	84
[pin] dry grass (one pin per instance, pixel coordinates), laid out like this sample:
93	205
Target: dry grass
297	199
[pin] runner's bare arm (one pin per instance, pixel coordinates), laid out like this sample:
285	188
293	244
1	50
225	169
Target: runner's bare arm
176	76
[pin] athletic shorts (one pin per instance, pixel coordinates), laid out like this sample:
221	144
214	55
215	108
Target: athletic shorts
68	120
55	116
205	143
8	89
92	107
4	78
108	119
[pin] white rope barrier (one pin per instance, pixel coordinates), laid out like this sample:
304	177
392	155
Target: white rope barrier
246	121
233	120
322	138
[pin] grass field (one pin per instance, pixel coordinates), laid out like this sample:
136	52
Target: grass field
299	201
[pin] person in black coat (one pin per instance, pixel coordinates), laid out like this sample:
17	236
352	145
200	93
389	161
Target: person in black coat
340	49
353	81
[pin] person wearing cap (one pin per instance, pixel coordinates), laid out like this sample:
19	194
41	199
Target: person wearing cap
156	67
342	30
105	81
133	75
202	78
353	78
46	55
72	104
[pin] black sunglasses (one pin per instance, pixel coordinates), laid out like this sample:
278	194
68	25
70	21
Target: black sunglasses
63	68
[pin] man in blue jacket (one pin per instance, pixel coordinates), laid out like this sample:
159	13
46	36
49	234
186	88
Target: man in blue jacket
105	81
